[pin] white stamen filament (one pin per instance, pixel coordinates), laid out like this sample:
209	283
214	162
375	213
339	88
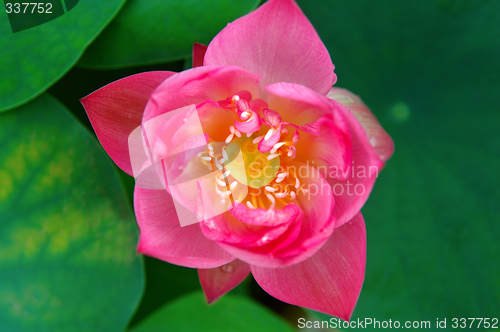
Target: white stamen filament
232	129
233	185
206	158
277	146
249	134
210	147
225	174
250	206
297	183
211	153
257	139
235	98
237	133
292	194
271	189
220	182
281	195
221	161
282	175
229	138
224	154
272	156
271	198
290	153
269	133
217	164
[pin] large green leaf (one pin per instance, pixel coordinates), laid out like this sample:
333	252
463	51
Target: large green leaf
160	276
155	31
230	313
33	59
429	70
67	236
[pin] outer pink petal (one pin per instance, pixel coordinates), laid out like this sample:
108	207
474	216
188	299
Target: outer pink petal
330	281
220	280
116	109
379	139
196	85
278	42
162	237
352	192
198	54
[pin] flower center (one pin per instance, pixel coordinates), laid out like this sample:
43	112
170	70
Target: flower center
258	170
255	154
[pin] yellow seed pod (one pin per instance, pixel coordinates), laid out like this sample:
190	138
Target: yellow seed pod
257	171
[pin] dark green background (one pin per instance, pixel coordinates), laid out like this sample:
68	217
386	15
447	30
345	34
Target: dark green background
428	69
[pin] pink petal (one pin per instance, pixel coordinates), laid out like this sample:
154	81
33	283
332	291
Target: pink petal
326	140
268	142
226	229
116	109
162	237
272	117
197	85
352	192
220	280
199	51
302	237
265	217
330	281
325	144
278	42
379	139
297	104
251	125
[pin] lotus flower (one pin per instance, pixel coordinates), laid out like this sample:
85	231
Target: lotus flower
289	210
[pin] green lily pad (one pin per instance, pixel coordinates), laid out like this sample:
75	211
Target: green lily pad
429	71
33	59
230	313
67	236
153	31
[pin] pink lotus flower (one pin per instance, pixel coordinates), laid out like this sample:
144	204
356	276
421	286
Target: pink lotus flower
311	155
